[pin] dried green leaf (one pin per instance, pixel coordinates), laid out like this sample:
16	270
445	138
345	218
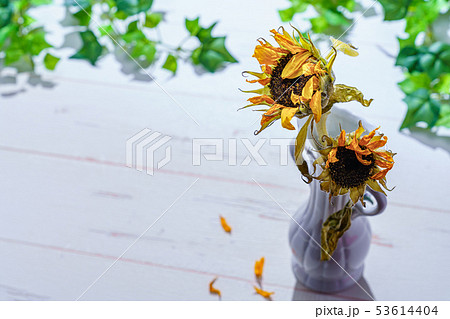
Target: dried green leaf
300	141
345	93
334	228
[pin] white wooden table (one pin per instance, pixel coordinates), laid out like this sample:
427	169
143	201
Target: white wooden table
70	207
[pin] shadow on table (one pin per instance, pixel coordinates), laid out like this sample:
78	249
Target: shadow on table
428	138
353	293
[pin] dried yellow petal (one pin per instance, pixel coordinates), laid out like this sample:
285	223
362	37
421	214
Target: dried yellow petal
293	68
310	86
295	98
308	69
344	47
259	265
213	290
225	225
316	105
286	116
263	293
286	41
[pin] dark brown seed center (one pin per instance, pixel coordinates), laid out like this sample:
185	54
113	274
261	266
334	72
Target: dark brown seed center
348	171
281	89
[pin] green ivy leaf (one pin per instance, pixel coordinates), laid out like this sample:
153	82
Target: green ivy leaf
212	53
153	19
5	15
421	108
437	60
78	3
82	17
50	61
205	34
218	45
35	41
298	6
192	26
170	64
195	55
12	55
420	15
106	29
409	58
6	31
36	3
336	18
91	49
133	34
27	20
145	52
132	7
415	81
443	84
210	60
395	9
286	15
319	24
444	116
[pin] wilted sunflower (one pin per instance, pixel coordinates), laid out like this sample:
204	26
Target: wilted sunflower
352	162
297	80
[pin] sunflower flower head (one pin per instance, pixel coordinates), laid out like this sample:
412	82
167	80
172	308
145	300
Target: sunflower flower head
296	79
352	161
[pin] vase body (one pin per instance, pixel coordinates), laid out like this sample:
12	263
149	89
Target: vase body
352	248
347	263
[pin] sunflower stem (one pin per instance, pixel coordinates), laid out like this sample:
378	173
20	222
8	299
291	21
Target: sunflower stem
321	128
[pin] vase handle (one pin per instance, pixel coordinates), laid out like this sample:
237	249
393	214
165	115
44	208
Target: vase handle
381	203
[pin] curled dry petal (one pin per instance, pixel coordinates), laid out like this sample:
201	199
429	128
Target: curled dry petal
263	293
287	114
316	105
310	87
285	41
344	93
259	266
346	48
225	225
213	290
293	67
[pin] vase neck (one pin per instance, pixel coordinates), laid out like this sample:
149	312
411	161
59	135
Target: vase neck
320	204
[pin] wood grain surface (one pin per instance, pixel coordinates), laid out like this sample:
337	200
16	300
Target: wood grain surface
69	206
